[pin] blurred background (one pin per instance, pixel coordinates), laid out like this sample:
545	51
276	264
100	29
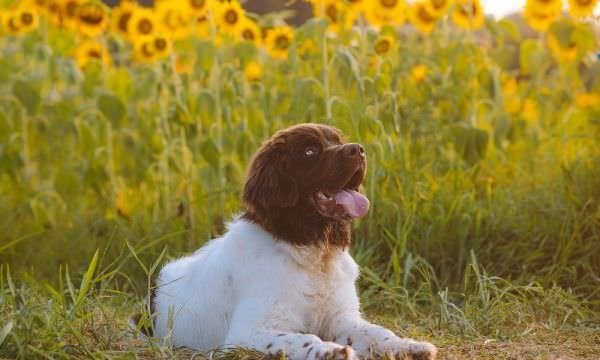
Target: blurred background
126	130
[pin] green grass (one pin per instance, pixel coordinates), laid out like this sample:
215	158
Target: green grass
483	225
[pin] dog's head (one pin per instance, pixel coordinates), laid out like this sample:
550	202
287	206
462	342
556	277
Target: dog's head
303	185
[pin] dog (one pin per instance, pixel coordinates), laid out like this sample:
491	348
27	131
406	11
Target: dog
281	280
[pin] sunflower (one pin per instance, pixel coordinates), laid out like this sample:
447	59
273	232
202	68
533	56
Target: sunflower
468	14
437	7
564	42
41	6
383	44
184	64
253	71
120	17
563	53
587	99
510	97
529	111
249	31
67	13
418	73
174	17
539	21
337	12
582	8
509	85
545	5
20	20
422	18
357	6
28	17
152	48
201	25
307	48
91	51
11	23
143	23
385	12
143	51
54	11
161	46
279	40
512	105
92	19
230	16
198	7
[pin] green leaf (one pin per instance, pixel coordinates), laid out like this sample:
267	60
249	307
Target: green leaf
511	29
5	331
532	56
112	107
28	96
210	152
87	280
470	142
136	257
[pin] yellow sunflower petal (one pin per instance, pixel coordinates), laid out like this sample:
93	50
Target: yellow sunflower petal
385	12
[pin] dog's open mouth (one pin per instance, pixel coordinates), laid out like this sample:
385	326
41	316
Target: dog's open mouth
345	202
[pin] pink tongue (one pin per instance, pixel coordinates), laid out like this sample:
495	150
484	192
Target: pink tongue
355	203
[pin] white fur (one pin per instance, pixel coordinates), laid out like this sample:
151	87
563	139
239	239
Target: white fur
248	289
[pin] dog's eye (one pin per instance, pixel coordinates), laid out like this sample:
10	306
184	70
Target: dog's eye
311	151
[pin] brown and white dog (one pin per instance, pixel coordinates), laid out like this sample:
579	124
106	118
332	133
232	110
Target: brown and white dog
281	278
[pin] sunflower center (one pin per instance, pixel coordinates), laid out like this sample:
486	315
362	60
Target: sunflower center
91	18
424	15
123	21
541	16
282	42
469	9
248	34
198	4
382	46
145	27
388	3
53	7
94	54
71	8
173	20
231	17
201	19
146	50
13	25
438	4
26	18
160	44
332	12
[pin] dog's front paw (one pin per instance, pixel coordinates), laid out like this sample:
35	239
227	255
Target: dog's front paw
406	349
423	351
331	351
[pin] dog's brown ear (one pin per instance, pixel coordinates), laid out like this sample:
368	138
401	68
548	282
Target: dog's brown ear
269	184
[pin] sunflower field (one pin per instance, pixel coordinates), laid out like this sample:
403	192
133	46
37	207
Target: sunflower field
125	132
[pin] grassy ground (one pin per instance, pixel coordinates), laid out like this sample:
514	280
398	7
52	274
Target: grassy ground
484	175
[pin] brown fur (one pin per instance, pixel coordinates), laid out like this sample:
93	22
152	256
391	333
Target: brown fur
281	183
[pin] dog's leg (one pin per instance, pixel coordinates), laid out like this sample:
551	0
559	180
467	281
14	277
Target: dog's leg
369	339
298	346
271	332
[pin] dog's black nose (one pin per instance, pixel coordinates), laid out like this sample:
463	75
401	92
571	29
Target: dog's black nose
353	150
